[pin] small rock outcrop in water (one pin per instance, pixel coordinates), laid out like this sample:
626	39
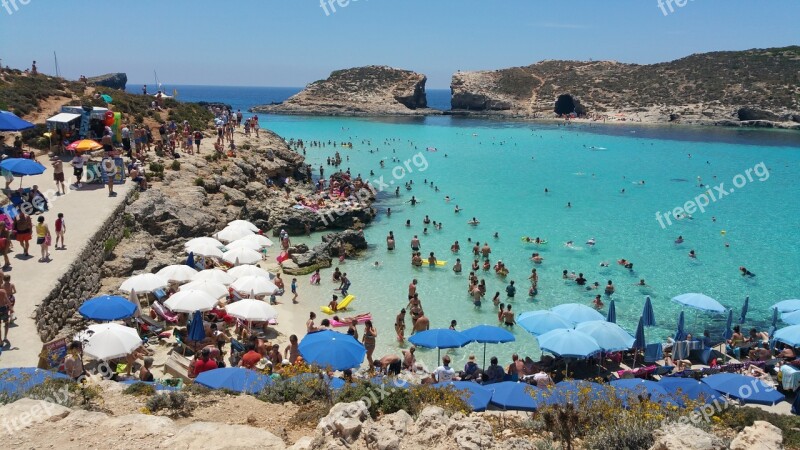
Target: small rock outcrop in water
360	91
110	80
304	260
743	86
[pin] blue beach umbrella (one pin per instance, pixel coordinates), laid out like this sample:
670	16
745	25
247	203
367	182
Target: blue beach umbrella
680	333
612	312
692	389
439	338
610	336
648	314
787	305
511	395
745	307
792	318
22	166
237	379
196	331
477	396
107	308
569	343
639	341
332	349
10	122
488	334
540	322
774	326
577	313
634	388
788	335
19	380
728	333
744	388
699	301
571	391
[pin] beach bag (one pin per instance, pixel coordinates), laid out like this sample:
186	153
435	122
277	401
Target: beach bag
48	240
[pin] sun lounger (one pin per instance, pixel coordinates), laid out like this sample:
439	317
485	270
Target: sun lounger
160	295
165	314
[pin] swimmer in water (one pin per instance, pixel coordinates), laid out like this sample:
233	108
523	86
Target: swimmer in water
679	240
474	221
447	198
692	254
496	235
536	258
745	272
376	264
641	283
457	210
604	264
569	204
591	242
569	244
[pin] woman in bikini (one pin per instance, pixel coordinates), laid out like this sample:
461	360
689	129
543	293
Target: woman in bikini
370	333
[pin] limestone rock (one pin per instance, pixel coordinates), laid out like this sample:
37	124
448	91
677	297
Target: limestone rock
27	412
345	420
760	436
304	443
234	196
213	436
172	215
370	90
110	80
685	437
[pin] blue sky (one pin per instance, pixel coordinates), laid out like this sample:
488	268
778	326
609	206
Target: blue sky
294	42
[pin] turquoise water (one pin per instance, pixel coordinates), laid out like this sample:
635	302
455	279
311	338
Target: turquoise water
499	176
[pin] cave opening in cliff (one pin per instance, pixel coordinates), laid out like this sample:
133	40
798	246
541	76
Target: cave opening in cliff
565	105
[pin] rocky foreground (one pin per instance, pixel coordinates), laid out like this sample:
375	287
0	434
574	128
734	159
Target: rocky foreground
360	91
31	423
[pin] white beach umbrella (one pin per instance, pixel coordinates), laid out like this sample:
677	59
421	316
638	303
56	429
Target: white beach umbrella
201	249
177	272
134	298
240	256
254	285
110	340
243	244
190	301
146	282
213	288
203	241
248	270
252	310
258	239
230	234
217	275
244	224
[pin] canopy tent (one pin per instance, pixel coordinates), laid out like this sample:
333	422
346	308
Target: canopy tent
97	111
63	121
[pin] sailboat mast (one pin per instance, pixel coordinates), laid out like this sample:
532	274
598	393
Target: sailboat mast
58	73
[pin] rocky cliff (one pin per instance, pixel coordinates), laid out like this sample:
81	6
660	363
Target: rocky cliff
699	88
360	91
110	80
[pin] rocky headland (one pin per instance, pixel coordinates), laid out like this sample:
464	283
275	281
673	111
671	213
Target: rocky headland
752	88
744	88
360	91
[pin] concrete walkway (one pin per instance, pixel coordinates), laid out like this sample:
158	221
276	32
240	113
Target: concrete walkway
85	210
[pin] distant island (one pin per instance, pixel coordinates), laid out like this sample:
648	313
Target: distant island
361	91
740	88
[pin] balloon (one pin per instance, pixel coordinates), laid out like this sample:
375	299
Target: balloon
108	122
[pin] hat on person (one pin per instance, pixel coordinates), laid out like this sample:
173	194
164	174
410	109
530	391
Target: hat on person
471	357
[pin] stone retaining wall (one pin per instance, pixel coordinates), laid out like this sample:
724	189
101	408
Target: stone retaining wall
82	279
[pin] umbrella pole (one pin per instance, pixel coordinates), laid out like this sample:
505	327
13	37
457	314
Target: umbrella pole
484	356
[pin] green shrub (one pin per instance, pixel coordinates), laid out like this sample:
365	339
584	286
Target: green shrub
175	403
199	182
109	245
157	168
176	165
140	389
297	392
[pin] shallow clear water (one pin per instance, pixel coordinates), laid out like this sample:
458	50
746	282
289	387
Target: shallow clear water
499	176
